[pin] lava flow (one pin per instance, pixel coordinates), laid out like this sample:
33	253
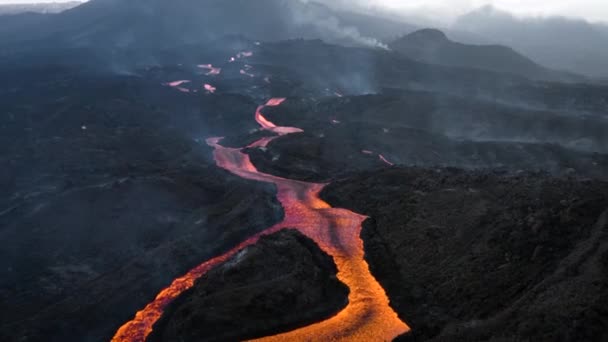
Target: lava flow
367	317
177	85
211	70
209	88
385	161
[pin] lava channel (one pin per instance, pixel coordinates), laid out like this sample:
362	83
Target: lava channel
367	317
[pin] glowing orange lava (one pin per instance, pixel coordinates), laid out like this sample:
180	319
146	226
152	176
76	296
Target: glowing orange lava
269	126
367	317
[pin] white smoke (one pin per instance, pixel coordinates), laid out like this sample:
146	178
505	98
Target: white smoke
310	16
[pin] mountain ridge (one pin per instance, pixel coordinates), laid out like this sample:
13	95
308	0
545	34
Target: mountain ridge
433	46
556	42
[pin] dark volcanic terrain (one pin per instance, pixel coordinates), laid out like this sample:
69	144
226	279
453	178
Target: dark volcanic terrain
485	187
344	135
283	282
481	256
106	201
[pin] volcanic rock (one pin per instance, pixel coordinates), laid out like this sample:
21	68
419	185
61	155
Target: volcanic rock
478	256
97	221
283	282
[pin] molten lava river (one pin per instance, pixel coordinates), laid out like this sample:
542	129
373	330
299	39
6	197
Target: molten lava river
367	317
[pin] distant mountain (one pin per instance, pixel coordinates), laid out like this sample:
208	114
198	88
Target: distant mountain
45	7
561	43
433	46
164	23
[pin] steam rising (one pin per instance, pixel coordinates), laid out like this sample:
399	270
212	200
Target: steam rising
308	16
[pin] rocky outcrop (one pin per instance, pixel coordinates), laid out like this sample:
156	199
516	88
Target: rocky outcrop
283	282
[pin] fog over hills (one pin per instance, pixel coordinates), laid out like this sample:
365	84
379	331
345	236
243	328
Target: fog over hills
553	42
433	46
45	7
204	20
556	42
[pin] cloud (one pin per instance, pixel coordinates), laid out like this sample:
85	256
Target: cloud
442	10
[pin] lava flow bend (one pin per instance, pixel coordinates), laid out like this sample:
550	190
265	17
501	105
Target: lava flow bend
367	317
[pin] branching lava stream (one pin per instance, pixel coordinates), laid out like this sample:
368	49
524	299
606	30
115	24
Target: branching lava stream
367	317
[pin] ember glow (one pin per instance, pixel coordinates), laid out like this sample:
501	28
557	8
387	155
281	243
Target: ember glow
244	72
367	317
244	54
210	89
385	161
380	156
177	83
212	71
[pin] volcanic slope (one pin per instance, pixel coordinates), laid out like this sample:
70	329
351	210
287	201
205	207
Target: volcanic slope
496	256
107	198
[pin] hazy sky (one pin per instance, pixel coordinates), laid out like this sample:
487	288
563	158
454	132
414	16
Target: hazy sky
589	9
594	10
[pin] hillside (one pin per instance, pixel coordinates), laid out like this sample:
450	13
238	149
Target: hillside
433	46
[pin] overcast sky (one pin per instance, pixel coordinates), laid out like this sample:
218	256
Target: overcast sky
589	9
594	10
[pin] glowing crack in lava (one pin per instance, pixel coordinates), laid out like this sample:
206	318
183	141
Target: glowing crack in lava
367	317
245	73
380	156
385	161
177	85
211	70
